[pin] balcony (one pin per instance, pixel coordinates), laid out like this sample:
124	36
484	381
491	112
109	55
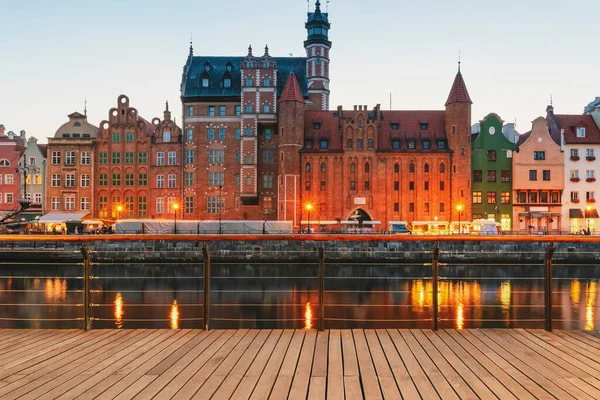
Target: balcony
590	180
591	158
575	201
574	158
590	200
575	179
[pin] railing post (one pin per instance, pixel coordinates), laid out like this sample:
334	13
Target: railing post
434	284
321	289
85	252
206	255
548	286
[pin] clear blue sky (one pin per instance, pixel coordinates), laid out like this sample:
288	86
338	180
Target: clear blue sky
515	54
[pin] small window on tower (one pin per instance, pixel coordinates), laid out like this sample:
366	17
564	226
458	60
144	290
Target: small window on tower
395	126
424	126
316	125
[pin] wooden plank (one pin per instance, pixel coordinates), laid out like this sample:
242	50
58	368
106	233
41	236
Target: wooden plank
543	365
528	368
269	375
208	348
15	337
387	383
335	367
580	347
284	379
299	389
489	373
368	377
103	368
234	378
574	371
317	388
401	375
250	379
349	354
217	378
473	380
441	385
214	361
136	370
319	366
454	379
352	389
584	338
420	379
508	374
51	369
116	387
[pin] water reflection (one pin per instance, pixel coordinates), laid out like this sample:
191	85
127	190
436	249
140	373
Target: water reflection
174	315
589	309
505	295
119	311
307	316
418	291
55	290
575	291
460	317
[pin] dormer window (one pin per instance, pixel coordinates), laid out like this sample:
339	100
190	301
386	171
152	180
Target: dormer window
316	125
204	82
229	67
323	144
77	124
580	132
395	143
424	126
207	67
441	144
308	144
249	64
266	64
426	144
411	144
395	126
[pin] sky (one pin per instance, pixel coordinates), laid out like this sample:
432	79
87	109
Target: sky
515	54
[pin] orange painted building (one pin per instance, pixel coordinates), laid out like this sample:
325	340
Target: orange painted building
538	181
122	173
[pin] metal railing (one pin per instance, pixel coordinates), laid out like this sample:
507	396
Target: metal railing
215	291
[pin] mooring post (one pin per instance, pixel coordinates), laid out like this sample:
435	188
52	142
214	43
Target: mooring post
206	255
85	252
321	289
434	284
548	285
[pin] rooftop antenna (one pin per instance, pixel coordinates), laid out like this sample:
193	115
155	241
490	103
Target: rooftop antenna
85	108
307	5
459	61
551	99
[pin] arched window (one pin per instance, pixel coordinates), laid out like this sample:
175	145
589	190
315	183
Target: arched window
396	168
352	167
426	168
229	67
442	168
323	167
4	163
367	167
307	167
411	167
207	66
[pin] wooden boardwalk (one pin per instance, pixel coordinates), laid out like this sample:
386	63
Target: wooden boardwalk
298	364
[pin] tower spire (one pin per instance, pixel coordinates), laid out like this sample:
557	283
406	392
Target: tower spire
318	7
459	61
85	108
167	105
266	50
250	50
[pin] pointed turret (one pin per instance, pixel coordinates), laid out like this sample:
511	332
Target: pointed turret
459	92
167	113
291	90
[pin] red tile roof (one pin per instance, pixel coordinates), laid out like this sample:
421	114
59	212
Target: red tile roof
523	138
570	123
291	90
43	149
459	92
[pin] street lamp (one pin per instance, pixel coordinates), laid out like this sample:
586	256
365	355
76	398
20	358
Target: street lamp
175	208
459	208
588	208
308	209
119	209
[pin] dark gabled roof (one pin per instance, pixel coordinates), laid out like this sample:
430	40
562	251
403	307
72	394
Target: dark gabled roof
523	138
459	92
192	87
43	149
595	103
570	123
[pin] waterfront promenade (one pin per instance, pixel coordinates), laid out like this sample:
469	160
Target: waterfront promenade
298	364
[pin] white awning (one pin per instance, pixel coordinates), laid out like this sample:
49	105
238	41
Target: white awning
317	222
92	222
372	223
52	218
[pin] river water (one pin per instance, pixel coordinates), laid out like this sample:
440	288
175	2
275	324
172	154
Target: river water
285	295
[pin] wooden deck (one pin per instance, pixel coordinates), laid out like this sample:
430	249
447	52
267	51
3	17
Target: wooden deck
297	364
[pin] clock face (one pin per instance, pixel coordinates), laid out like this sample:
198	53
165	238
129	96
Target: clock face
492	130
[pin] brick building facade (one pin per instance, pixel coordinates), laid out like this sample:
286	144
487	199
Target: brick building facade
264	145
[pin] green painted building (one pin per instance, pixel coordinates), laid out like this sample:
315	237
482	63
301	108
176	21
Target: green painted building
491	162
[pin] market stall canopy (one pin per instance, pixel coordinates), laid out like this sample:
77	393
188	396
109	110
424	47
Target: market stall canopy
53	218
92	222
